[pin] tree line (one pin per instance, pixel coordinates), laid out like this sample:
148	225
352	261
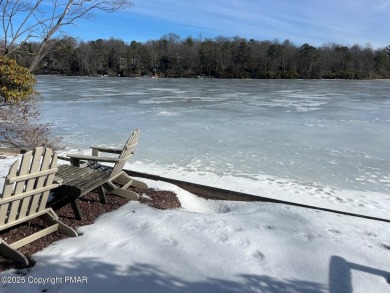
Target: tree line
220	57
27	34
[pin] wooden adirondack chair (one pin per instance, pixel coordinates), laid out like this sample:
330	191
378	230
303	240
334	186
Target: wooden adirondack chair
25	193
118	176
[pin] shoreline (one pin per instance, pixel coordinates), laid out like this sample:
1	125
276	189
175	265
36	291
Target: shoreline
211	77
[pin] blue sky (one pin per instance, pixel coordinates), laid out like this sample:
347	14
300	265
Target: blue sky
316	22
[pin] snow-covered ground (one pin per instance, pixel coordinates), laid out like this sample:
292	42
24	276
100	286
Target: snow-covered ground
214	246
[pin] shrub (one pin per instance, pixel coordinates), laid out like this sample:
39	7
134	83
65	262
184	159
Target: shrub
20	125
16	82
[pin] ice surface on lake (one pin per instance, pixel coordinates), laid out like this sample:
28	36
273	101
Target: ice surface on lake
312	135
322	143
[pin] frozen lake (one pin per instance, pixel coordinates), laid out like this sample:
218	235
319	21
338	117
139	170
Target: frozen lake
313	138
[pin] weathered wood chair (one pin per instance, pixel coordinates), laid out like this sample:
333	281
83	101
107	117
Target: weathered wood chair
119	181
76	182
25	194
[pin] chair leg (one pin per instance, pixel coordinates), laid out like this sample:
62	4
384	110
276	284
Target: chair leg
126	194
102	195
51	218
11	253
76	209
138	184
113	189
127	181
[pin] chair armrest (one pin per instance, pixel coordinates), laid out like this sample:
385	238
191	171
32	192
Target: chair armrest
58	180
92	158
62	158
106	149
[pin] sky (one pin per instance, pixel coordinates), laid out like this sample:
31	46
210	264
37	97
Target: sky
317	22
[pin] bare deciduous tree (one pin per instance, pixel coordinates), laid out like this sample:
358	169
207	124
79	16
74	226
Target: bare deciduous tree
20	126
40	20
19	109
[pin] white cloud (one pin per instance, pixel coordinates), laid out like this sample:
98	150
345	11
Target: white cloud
311	21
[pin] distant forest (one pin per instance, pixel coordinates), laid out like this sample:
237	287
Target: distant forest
220	57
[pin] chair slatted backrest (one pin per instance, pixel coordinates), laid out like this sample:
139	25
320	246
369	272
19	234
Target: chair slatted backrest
27	186
126	153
